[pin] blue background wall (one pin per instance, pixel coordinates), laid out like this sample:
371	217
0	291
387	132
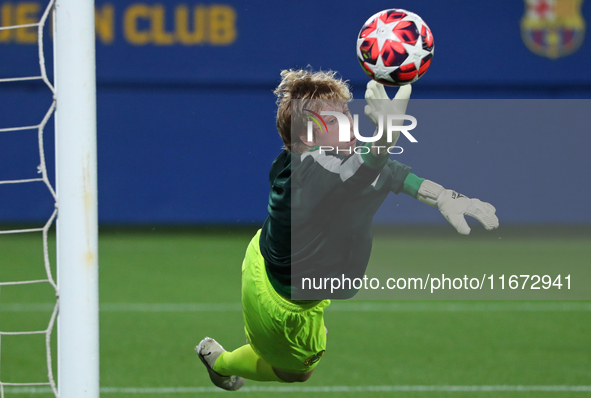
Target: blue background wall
186	132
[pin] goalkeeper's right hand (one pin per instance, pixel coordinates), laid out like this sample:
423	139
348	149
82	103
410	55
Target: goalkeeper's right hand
380	105
455	206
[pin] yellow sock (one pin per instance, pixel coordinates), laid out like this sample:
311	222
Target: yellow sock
244	362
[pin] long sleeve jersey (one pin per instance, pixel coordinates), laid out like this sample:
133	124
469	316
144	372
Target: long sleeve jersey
321	206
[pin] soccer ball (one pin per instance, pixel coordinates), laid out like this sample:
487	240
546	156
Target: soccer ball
395	47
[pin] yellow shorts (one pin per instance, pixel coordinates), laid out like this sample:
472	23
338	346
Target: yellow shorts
288	336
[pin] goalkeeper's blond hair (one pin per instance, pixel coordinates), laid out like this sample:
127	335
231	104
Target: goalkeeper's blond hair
306	86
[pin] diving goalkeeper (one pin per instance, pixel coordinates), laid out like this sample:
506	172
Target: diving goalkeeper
321	205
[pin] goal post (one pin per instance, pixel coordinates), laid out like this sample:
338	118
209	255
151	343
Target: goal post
76	188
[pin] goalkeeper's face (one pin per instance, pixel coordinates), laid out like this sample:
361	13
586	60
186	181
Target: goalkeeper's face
330	138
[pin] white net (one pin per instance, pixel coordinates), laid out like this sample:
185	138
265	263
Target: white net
42	170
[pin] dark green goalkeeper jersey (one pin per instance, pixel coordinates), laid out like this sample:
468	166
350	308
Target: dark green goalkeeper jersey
321	207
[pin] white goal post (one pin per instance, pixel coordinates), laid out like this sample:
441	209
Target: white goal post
76	188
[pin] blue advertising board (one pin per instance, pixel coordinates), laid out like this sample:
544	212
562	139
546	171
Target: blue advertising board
186	114
249	42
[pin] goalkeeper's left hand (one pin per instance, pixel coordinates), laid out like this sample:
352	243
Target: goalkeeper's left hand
379	105
455	206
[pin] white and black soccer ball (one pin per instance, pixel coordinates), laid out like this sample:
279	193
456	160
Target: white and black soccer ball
395	47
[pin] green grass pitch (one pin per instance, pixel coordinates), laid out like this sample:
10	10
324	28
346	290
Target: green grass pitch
163	290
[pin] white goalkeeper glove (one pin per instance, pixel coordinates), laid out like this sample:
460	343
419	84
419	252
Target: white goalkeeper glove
455	206
380	105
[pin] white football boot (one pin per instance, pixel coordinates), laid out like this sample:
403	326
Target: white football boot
209	350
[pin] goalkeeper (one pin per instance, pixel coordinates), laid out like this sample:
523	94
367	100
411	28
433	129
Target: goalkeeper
317	199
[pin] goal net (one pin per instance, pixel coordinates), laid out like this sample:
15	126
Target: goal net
37	129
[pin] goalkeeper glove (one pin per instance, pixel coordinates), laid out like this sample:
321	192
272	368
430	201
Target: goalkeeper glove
380	105
455	206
